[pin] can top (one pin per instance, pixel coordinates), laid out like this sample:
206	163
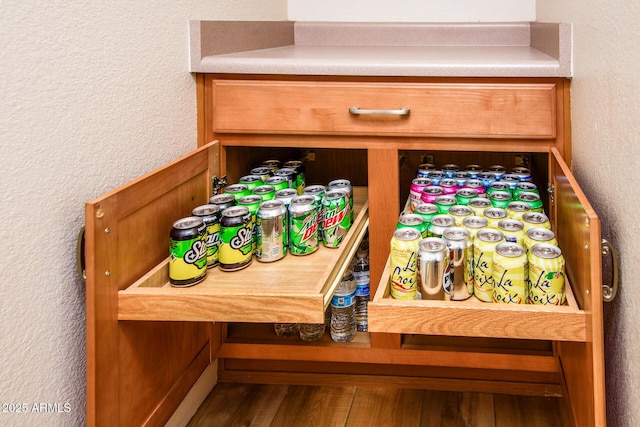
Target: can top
285	172
462	175
188	223
535	217
235	188
427	166
411	220
490	235
540	234
526	186
500	195
448	182
302	204
546	250
510	249
419	181
495	213
480	202
314	189
456	234
292	163
264	189
475	221
446	200
473	183
487	176
235	211
271	205
286	193
261	170
510	177
450	167
426	208
518	206
337	193
433	189
340	183
528	196
520	169
407	234
436	174
249	200
460	210
496	168
468	193
432	244
276	179
249	179
473	168
499	185
206	210
443	220
222	198
511	225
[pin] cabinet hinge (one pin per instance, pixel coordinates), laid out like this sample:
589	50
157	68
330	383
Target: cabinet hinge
551	191
217	184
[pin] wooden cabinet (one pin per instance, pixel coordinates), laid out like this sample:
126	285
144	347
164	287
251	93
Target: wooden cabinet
147	343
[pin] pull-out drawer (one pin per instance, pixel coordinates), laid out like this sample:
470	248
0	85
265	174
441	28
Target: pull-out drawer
485	110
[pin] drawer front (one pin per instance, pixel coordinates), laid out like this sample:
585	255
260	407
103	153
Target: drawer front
439	110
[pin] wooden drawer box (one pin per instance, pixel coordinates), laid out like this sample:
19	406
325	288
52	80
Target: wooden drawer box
485	110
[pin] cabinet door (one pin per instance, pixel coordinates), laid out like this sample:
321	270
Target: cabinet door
138	372
578	232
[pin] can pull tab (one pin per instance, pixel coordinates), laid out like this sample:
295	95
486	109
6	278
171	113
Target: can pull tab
217	184
609	292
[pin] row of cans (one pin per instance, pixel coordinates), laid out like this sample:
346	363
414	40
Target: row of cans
232	228
456	266
269	177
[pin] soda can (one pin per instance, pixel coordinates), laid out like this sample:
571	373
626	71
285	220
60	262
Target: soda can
252	202
187	252
497	170
474	223
424	169
287	173
317	192
436	176
487	178
461	259
513	230
403	262
473	170
426	211
413	221
262	171
525	186
210	215
449	185
499	186
494	216
500	199
450	169
430	193
445	202
344	184
510	274
272	164
286	195
459	212
465	195
303	225
511	179
271	236
516	210
475	184
484	246
336	221
535	220
223	201
415	190
461	177
278	182
297	166
523	173
236	240
546	275
479	205
434	269
439	223
267	192
237	190
251	181
535	236
532	199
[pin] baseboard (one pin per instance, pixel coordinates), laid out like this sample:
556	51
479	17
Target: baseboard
192	401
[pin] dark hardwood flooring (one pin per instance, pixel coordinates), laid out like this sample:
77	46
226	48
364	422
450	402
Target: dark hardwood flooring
231	404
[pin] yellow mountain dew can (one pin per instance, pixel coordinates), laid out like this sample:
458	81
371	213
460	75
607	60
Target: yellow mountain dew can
533	236
546	275
484	246
510	274
404	266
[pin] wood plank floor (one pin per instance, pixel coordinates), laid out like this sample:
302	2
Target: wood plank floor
231	404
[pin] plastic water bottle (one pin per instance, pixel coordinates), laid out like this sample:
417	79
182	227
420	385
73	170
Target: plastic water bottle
286	329
343	309
314	331
361	275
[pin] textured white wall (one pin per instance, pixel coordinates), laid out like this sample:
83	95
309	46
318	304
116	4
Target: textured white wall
413	10
605	108
93	94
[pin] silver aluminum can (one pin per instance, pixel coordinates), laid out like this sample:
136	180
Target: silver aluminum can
434	268
461	259
271	231
286	195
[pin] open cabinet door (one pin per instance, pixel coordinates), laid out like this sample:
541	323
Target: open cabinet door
138	372
578	232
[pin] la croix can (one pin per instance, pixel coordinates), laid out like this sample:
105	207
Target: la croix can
336	220
534	236
479	204
303	225
515	210
236	239
415	190
494	216
210	215
532	199
535	220
484	246
271	231
187	252
512	229
546	275
459	212
404	266
510	274
439	223
434	269
474	223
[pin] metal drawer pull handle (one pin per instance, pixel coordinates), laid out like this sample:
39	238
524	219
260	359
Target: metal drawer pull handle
361	111
609	291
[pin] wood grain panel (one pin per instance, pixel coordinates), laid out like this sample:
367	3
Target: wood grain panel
387	406
314	406
532	411
451	409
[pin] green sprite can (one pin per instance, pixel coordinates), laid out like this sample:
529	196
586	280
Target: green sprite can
210	215
235	239
499	186
500	199
298	166
525	186
303	225
252	202
445	202
272	234
237	190
336	221
465	195
278	182
251	181
187	252
426	211
414	221
344	184
267	192
532	199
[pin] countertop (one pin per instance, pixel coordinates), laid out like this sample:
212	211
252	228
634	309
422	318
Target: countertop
381	49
